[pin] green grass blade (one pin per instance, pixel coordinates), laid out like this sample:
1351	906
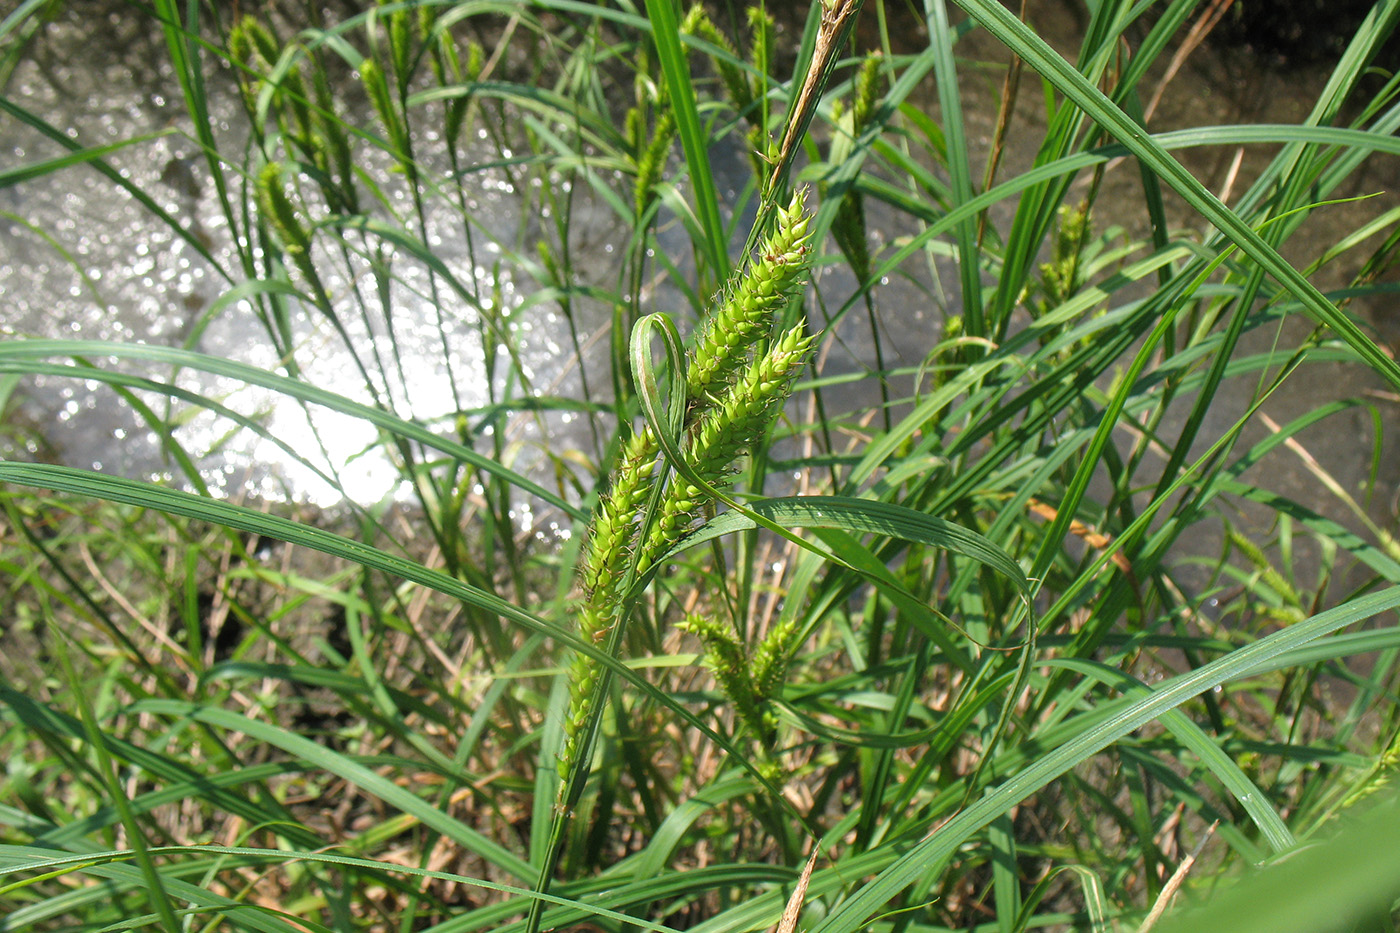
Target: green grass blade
861	516
959	170
1275	831
1349	881
855	913
665	33
293	388
15	176
1019	38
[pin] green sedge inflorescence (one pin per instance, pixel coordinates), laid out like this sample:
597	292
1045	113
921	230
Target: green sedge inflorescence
738	376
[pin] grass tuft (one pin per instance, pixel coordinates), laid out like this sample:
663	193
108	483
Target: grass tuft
1059	591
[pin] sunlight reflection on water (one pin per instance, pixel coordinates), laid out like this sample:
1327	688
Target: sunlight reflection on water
83	259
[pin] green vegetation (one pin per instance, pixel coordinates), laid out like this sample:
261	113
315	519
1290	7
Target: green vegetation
968	639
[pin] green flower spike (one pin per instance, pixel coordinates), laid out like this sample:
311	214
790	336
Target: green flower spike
747	312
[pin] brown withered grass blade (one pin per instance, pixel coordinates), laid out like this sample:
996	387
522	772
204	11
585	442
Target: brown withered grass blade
838	19
794	905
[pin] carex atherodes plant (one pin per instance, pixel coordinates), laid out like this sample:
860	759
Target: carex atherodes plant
736	381
738	374
1010	532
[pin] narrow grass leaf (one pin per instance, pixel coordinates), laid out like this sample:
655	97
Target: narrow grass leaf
1021	40
665	33
855	912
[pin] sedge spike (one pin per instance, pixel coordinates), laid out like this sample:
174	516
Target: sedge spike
726	431
278	210
747	311
728	660
602	570
867	88
738	396
698	23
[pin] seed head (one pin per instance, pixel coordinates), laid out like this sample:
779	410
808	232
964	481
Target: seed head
725	340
